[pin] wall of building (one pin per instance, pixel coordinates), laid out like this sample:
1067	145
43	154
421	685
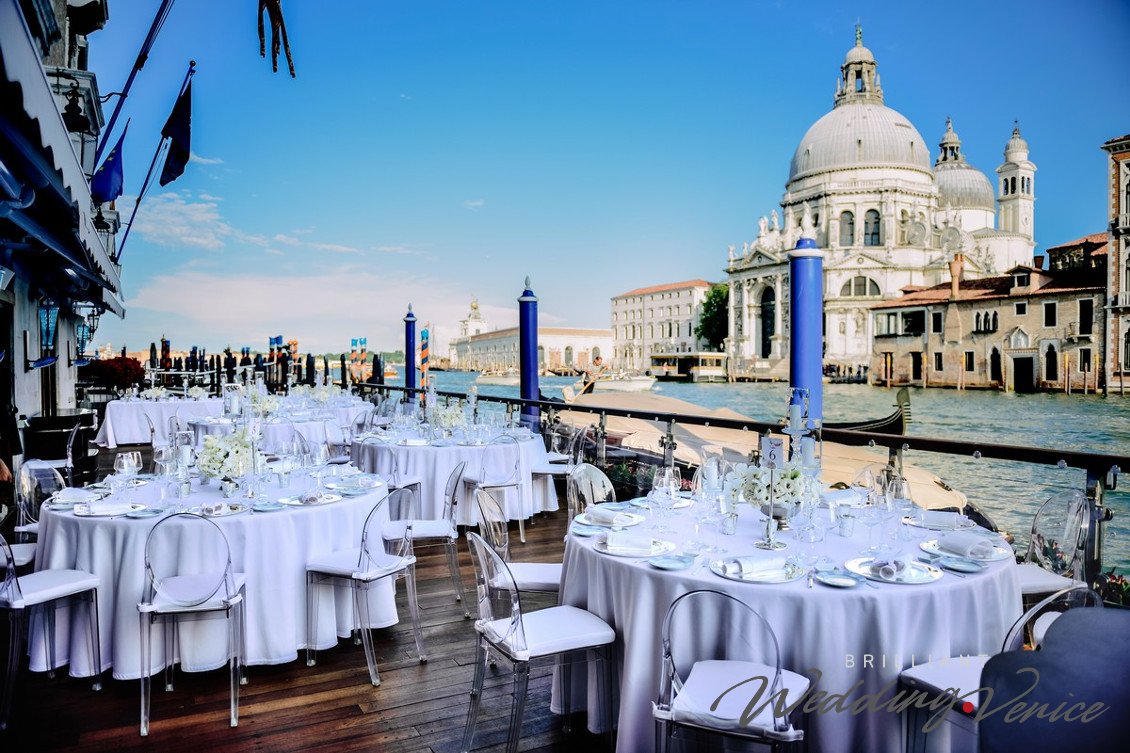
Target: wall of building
558	348
660	322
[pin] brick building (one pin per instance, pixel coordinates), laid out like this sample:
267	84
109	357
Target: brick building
1117	362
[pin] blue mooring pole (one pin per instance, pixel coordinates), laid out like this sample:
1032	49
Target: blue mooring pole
806	334
410	353
528	354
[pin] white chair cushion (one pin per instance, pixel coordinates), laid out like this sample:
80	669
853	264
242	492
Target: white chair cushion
28	528
490	483
343	564
1036	580
1041	625
551	631
710	679
45	585
405	480
23	553
177	592
421	529
962	673
536	576
557	457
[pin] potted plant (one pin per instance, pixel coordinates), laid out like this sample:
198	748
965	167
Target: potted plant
119	373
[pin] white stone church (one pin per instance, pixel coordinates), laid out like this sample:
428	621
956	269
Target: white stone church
861	179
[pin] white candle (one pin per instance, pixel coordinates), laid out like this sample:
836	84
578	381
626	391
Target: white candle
808	450
795	416
184	455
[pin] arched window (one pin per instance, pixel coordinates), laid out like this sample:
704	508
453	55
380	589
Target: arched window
904	225
1126	351
768	321
977	322
595	353
847	229
994	327
860	286
871	235
1051	365
1012	184
568	355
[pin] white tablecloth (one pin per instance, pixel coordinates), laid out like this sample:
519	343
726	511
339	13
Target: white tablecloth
316	431
271	548
435	464
830	630
125	420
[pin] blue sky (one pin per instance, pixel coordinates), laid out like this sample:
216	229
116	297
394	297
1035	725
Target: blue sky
433	150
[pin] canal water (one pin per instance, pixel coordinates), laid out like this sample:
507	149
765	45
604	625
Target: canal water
1008	492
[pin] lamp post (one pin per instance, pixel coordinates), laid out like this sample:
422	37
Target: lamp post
528	354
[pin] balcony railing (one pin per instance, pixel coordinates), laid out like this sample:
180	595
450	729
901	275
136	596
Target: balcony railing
1120	300
1080	331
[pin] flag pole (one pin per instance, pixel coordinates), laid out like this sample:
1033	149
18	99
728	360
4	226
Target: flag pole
142	57
149	175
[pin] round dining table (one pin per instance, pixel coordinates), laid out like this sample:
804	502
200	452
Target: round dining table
316	427
271	548
853	640
433	462
125	421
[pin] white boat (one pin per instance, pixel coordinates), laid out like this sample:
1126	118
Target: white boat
619	383
508	378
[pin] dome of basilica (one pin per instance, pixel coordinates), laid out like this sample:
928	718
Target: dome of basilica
860	134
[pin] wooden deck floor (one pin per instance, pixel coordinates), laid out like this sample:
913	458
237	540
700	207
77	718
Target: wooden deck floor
418	708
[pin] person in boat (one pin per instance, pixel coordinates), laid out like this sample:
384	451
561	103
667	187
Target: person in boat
592	373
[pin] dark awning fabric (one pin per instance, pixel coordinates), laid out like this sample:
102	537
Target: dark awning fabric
37	149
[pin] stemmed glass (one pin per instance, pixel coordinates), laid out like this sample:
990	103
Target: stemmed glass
907	512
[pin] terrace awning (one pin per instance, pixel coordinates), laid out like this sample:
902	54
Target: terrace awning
47	234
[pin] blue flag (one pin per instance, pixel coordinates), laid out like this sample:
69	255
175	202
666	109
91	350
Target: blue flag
178	130
106	185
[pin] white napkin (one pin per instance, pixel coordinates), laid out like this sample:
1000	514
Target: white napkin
310	498
605	517
966	544
889	569
628	542
851	497
754	565
416	442
71	494
939	520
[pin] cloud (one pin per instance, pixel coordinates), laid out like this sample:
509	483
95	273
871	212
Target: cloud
273	252
474	203
335	248
251	312
398	249
170	219
209	197
405	96
288	240
194	157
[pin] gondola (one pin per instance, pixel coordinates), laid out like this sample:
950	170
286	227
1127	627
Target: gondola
895	423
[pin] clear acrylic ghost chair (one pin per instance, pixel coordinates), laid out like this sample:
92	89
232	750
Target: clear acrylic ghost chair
37	595
560	444
1054	559
429	533
508	454
178	588
543	577
503	630
339	442
36	481
961	675
395	478
708	661
372	561
588	486
711	471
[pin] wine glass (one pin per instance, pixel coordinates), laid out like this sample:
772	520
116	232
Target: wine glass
907	512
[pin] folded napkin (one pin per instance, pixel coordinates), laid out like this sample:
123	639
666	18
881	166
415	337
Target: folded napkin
852	497
628	542
417	442
103	508
71	494
939	520
889	569
753	565
966	544
605	517
310	498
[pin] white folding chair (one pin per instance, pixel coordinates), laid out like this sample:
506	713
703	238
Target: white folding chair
361	567
521	639
38	594
177	589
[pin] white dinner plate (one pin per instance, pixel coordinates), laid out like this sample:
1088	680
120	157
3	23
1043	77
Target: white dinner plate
959	564
790	573
228	509
1000	551
671	561
964	524
837	578
680	504
657	547
916	573
105	511
632	520
267	507
145	512
584	531
325	499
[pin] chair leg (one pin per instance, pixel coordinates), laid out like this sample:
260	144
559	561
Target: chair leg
414	610
15	643
233	663
476	696
95	638
170	631
146	623
456	579
243	640
47	614
361	607
311	620
566	692
521	529
609	677
518	707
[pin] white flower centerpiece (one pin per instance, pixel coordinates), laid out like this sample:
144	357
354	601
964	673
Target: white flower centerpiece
263	405
449	418
197	393
227	457
154	393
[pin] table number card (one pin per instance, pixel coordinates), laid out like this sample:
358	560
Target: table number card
772	452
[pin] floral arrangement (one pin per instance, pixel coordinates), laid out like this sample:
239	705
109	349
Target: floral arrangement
263	404
449	417
1114	588
197	393
300	390
154	393
119	373
226	456
788	484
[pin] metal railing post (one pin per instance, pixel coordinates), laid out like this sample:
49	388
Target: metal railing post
1097	516
601	441
667	442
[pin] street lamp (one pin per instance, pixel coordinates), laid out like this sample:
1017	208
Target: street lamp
48	322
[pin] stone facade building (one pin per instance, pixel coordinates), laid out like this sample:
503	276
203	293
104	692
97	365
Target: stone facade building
862	183
1117	361
559	349
656	319
1025	330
